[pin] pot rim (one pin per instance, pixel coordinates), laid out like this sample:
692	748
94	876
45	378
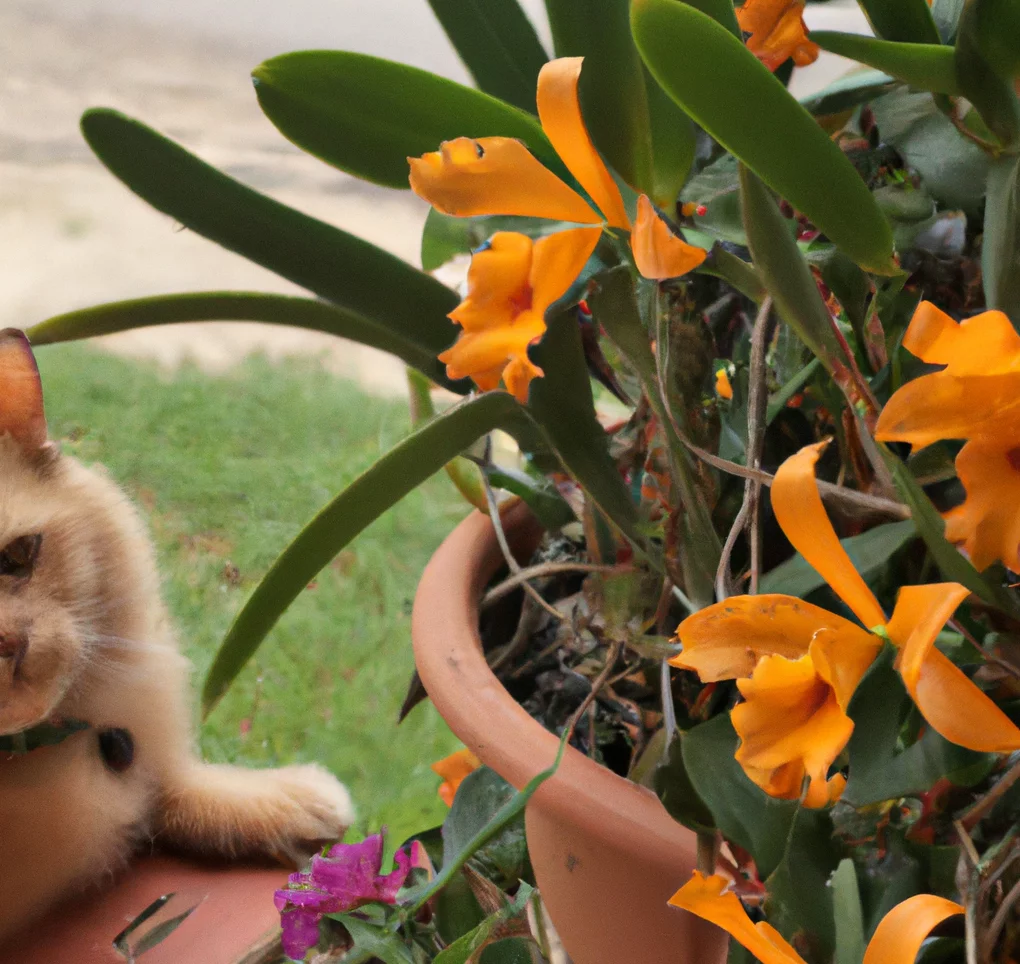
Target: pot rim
487	719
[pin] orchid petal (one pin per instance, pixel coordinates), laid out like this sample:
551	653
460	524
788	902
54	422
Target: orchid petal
799	510
726	640
494	175
498	283
658	253
987	522
557	261
559	110
453	769
919	615
984	344
790	722
902	931
777	31
842	661
705	897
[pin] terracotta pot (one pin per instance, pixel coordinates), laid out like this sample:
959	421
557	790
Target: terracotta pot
607	856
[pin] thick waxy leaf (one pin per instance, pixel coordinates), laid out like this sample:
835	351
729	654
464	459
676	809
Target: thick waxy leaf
742	811
498	45
869	552
613	96
785	273
366	115
673	787
990	91
563	405
673	144
331	263
799	897
755	118
928	66
1000	249
907	20
241	306
995	28
877	770
402	469
931	527
848	92
849	915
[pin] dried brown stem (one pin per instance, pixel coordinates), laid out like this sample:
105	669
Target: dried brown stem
514	580
972	816
615	648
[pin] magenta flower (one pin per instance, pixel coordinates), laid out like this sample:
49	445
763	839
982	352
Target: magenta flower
346	877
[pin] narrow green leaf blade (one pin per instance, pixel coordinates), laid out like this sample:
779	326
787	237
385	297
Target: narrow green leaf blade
927	66
329	262
979	81
673	144
785	273
240	306
995	27
366	115
688	52
743	812
846	903
402	469
497	43
466	948
869	552
909	21
613	96
1000	250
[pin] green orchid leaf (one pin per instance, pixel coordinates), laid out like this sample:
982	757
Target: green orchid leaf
754	117
467	948
953	168
929	66
786	275
672	785
720	263
674	143
848	92
909	21
331	263
799	897
878	771
241	306
994	26
990	91
869	552
562	404
614	100
402	469
1000	249
848	913
498	44
721	11
931	527
742	811
366	115
537	492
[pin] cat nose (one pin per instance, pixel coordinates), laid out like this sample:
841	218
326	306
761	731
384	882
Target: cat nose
13	647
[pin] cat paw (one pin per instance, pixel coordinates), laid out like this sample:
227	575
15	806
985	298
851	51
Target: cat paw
315	809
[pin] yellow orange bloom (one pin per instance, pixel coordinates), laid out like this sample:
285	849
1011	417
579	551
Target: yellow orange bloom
453	769
777	32
975	397
498	175
896	940
797	665
511	282
723	388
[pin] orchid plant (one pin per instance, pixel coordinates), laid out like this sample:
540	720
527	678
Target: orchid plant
762	352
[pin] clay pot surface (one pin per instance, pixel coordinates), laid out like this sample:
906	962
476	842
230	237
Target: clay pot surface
607	856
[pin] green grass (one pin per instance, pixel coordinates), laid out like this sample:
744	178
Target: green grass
227	469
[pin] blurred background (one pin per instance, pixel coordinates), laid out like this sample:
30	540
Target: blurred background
230	436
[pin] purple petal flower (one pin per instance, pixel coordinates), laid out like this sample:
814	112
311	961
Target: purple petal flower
345	878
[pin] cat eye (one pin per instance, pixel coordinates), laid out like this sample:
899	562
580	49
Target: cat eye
18	557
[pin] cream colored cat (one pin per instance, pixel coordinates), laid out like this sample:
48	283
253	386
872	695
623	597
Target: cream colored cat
84	636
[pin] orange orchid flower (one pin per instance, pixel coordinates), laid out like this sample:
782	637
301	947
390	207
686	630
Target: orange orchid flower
896	940
777	32
975	397
453	769
797	665
498	175
723	388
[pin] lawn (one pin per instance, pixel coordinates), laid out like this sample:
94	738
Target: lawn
227	469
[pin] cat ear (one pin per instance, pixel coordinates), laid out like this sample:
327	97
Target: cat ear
21	400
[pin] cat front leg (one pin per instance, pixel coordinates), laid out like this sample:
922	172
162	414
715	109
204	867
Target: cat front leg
227	811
